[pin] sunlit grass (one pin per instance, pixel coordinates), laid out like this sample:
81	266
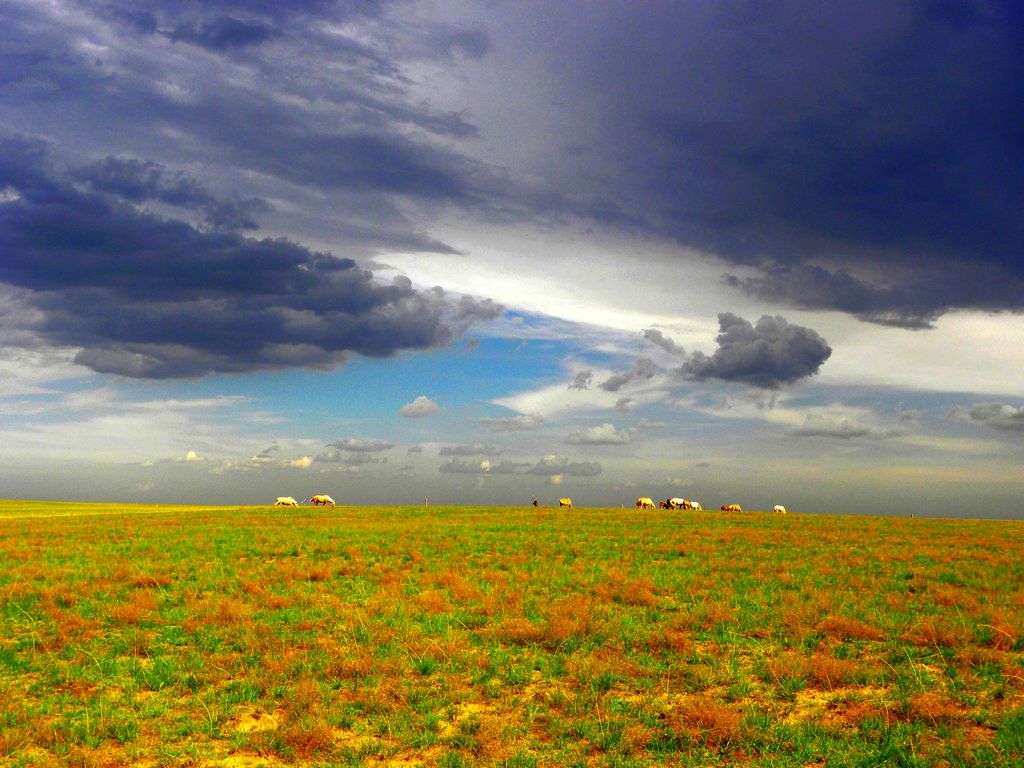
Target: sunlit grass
467	636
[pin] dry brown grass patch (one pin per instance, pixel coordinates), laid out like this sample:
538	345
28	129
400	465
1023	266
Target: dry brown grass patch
844	628
935	707
519	631
703	719
1004	634
458	586
308	738
433	601
829	672
937	633
788	665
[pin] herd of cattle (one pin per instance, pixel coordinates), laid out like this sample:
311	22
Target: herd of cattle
642	503
676	503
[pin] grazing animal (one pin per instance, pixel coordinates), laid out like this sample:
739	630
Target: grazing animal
696	507
327	501
536	503
732	508
644	503
779	509
567	503
663	505
678	503
286	501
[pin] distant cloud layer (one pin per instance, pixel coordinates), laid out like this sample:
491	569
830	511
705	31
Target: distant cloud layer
548	465
358	445
816	425
766	355
998	416
520	423
559	465
476	449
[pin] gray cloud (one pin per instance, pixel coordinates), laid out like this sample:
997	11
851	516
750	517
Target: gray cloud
913	415
603	434
767	355
581	380
349	459
520	423
559	465
464	467
483	467
625	404
647	424
359	445
642	370
659	339
476	449
998	416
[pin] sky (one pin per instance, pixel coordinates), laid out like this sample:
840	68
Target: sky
485	252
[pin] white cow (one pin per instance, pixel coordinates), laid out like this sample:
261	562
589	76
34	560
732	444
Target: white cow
286	501
695	505
779	509
327	501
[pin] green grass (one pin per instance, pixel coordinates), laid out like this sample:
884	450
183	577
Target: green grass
134	635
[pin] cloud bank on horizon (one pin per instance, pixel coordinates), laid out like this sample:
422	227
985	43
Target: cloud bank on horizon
219	190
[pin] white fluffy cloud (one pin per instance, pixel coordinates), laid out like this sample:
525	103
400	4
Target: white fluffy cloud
604	434
420	407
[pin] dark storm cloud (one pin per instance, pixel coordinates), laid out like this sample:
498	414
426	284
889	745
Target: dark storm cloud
998	416
642	370
223	32
766	355
342	127
151	297
863	159
143	181
879	143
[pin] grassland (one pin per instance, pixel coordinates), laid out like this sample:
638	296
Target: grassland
514	637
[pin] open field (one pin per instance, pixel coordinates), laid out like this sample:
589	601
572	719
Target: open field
515	637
